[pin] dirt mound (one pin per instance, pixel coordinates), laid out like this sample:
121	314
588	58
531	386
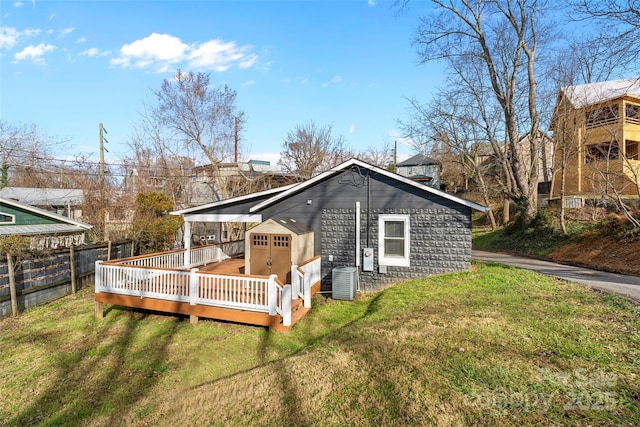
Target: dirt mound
606	253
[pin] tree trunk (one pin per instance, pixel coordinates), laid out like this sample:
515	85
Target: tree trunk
505	211
12	286
485	197
563	175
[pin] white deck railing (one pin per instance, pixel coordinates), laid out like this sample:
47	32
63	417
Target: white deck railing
200	255
303	277
253	293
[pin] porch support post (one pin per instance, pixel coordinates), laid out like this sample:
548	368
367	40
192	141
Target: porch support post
193	286
187	244
295	281
272	296
306	286
286	305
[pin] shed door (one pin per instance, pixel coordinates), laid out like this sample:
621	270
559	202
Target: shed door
271	254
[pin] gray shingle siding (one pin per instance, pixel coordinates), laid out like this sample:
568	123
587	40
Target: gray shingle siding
440	243
343	190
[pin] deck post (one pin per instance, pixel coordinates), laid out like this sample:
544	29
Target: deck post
98	277
193	286
306	284
286	305
272	295
193	319
295	281
187	244
99	310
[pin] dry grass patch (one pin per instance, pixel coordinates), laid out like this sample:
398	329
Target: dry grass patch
495	346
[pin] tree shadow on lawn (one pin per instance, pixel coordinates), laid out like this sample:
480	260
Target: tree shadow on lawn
293	413
102	375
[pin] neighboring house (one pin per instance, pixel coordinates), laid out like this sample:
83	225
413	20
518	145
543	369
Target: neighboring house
421	168
237	178
387	226
66	202
596	129
46	230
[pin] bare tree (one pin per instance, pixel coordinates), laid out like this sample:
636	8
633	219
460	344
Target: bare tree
309	150
191	123
25	156
620	26
194	112
455	127
504	36
378	155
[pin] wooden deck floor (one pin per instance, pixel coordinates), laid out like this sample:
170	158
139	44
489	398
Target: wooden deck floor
228	266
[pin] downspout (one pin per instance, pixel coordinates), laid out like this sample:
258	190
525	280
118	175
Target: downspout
357	263
357	254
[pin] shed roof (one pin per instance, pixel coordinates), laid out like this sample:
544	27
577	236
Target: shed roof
355	162
269	197
246	197
594	93
40	229
291	225
61	220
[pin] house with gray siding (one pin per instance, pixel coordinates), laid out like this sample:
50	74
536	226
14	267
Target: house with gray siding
421	168
388	227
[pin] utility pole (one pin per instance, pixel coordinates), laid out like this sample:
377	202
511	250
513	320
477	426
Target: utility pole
102	150
102	181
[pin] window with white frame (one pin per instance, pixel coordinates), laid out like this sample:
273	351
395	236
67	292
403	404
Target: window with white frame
6	218
393	240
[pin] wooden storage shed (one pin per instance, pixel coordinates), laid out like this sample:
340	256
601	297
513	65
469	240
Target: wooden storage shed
273	246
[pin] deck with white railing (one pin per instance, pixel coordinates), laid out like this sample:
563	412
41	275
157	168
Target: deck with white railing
162	282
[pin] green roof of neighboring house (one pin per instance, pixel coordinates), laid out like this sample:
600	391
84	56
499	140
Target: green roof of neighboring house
19	218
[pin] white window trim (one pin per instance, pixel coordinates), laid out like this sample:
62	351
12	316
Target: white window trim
393	260
13	218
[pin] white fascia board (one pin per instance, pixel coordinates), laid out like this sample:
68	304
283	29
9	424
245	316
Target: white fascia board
299	187
233	200
222	218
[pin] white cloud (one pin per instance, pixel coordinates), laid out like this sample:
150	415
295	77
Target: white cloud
334	80
249	83
8	37
32	32
218	55
352	129
162	51
81	40
90	52
34	53
66	31
18	4
372	3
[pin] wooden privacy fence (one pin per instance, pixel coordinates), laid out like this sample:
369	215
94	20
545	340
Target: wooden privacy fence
49	275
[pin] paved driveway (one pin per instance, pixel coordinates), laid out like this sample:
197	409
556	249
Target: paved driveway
620	284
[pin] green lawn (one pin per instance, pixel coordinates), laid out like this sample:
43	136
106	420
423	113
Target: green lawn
493	346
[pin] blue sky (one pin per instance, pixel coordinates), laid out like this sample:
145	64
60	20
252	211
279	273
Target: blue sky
67	66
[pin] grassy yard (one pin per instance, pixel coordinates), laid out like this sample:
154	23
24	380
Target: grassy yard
493	346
